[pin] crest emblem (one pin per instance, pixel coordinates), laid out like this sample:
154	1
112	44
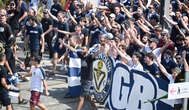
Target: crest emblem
102	68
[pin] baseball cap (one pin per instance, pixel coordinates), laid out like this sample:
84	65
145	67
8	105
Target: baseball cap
153	40
12	2
112	15
109	35
165	31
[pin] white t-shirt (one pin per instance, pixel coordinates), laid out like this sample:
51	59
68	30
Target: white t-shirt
171	79
137	66
38	74
156	52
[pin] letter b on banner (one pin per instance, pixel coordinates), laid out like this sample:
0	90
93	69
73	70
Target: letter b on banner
120	88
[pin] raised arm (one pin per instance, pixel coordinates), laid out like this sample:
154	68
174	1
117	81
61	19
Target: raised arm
141	4
108	25
124	56
129	15
169	20
186	67
185	7
72	18
161	67
142	45
52	16
184	25
142	27
103	7
177	27
99	24
63	32
157	2
147	23
125	31
69	47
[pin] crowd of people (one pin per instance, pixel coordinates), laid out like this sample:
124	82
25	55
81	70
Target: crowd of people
131	31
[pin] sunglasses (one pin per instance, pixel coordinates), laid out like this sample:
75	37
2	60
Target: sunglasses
45	13
163	34
11	4
2	15
178	58
150	7
150	41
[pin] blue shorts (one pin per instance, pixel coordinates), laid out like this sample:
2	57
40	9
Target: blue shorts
58	50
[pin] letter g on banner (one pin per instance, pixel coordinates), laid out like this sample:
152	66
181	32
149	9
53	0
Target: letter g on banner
121	87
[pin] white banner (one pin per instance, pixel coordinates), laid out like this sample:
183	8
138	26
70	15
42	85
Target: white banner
122	88
178	90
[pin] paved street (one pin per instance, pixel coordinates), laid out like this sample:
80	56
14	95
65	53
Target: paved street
57	88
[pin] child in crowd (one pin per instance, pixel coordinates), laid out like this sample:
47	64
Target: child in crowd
38	81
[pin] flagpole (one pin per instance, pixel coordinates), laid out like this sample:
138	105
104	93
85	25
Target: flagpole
186	100
162	4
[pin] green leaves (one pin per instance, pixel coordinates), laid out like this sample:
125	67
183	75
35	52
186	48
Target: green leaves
4	3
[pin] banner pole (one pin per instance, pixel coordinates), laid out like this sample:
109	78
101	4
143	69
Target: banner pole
162	4
186	100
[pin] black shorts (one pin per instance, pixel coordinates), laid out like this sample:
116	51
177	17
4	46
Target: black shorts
4	98
86	88
35	53
58	50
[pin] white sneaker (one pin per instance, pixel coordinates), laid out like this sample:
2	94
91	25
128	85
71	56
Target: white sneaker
65	68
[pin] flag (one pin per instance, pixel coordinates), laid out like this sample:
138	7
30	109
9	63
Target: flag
95	48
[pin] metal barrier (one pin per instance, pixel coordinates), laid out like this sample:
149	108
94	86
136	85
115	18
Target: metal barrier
185	104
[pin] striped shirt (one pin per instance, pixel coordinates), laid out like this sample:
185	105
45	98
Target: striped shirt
74	73
95	48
